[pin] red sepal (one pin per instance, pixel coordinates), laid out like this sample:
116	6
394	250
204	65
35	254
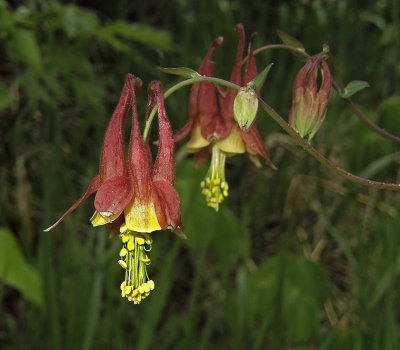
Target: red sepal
114	195
93	187
168	207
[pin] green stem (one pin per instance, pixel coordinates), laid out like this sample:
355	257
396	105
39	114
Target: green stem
301	52
182	84
365	119
339	87
318	156
284	125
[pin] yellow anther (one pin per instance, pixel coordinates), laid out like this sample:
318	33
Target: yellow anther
217	181
151	284
122	263
128	289
145	259
123	252
123	228
131	245
134	259
123	284
202	184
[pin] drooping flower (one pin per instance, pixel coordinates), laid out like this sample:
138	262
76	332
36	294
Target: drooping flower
310	103
138	199
214	129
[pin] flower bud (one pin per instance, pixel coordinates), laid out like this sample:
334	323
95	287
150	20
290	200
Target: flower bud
245	107
309	103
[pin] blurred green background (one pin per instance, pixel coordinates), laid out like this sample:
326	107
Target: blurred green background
295	259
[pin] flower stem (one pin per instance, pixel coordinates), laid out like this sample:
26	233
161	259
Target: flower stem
182	84
285	126
339	87
318	156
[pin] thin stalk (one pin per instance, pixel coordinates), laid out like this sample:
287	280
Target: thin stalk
339	87
365	119
182	84
318	156
285	126
301	52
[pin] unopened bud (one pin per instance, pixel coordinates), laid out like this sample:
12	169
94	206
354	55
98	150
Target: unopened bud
245	107
309	103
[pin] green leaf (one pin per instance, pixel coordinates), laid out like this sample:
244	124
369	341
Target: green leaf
16	271
353	87
23	47
5	98
289	40
181	71
259	80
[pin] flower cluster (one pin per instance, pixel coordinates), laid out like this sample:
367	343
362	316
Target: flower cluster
214	130
133	198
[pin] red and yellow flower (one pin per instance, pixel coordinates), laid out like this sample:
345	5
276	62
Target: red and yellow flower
211	121
134	198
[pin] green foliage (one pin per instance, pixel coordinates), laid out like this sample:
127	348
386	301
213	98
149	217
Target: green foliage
294	259
16	271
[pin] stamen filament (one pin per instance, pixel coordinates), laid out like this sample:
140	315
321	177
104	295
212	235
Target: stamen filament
215	188
134	258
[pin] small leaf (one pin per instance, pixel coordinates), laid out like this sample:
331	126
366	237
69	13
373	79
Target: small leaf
289	40
259	80
353	87
16	271
181	71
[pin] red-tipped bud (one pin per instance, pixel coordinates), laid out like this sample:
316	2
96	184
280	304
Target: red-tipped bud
310	102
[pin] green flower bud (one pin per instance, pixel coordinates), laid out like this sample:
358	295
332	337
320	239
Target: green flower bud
310	102
245	107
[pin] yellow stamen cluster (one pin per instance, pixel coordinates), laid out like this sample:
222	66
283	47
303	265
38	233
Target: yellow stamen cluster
214	187
134	259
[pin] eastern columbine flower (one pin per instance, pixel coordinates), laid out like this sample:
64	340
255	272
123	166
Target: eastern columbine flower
214	130
135	199
309	104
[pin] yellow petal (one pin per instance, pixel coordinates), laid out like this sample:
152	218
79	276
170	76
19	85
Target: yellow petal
98	219
233	143
141	217
197	141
